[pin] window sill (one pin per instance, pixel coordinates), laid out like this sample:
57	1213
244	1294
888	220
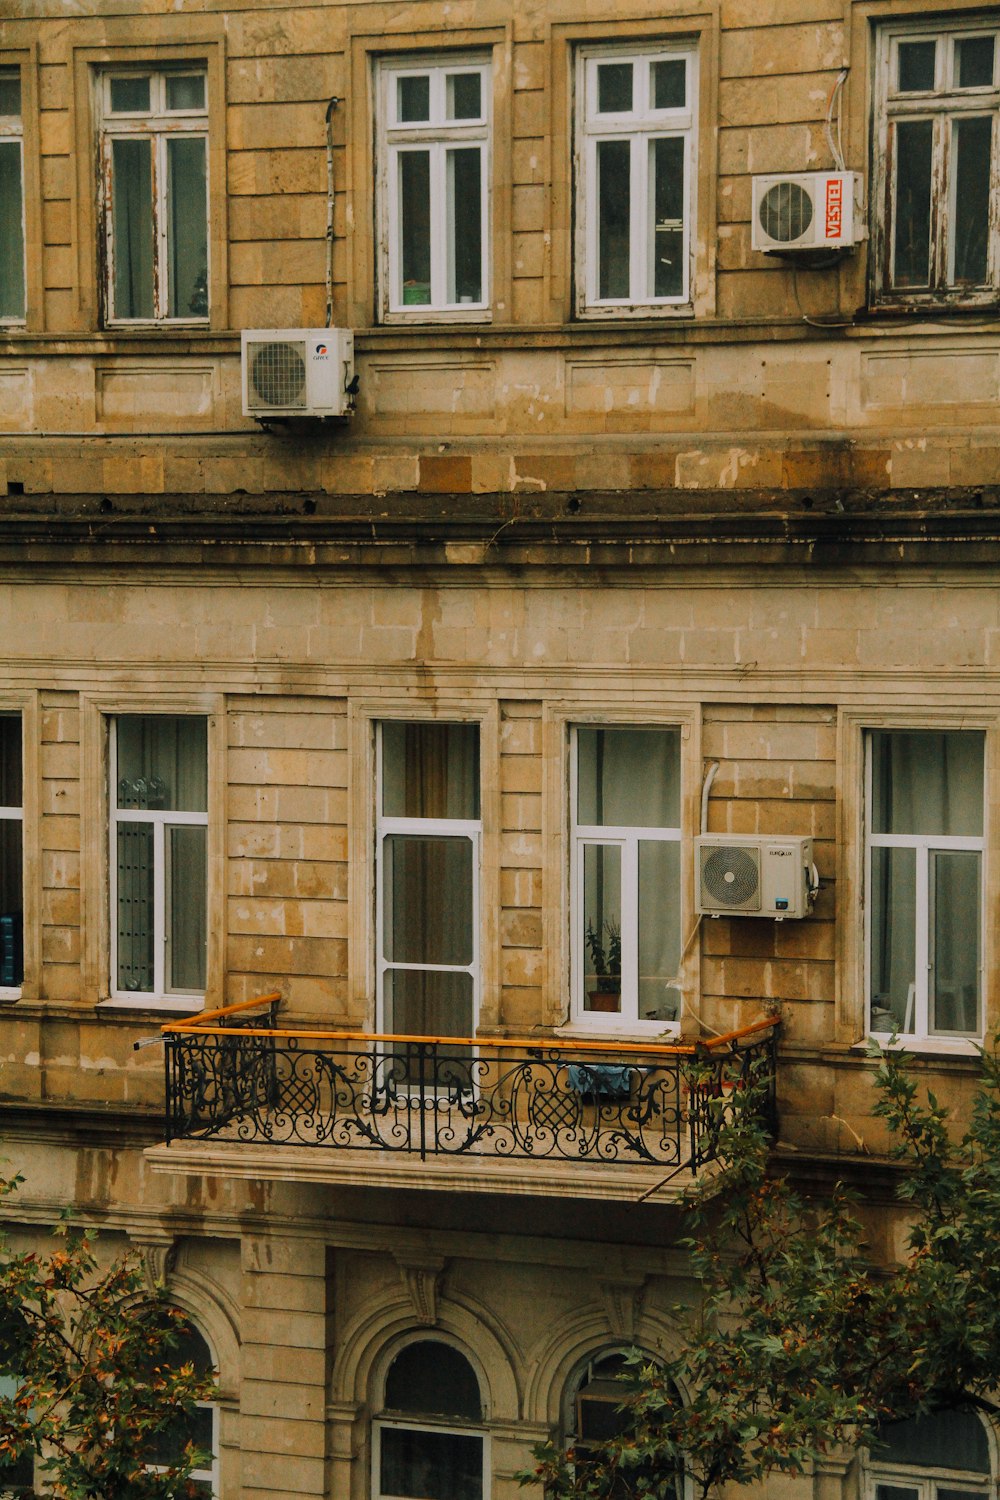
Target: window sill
922	1046
9	994
619	1029
172	1004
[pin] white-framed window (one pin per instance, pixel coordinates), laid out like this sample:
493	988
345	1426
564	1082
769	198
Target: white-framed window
942	1456
434	185
154	175
430	1438
428	855
626	875
593	1416
12	282
635	175
200	1427
158	856
11	855
938	113
925	803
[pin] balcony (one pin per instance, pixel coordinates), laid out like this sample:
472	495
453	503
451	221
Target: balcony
597	1119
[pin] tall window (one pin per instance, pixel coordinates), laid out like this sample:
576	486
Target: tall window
635	144
595	1418
944	1456
429	832
199	1429
939	101
429	1443
626	877
11	855
159	773
155	172
12	294
434	176
925	881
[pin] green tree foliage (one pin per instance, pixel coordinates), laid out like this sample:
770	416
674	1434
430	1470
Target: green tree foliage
796	1343
98	1392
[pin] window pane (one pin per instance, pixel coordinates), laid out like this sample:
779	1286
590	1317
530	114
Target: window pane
628	777
132	227
11	903
135	906
602	927
433	1379
11	790
130	95
916	66
168	1447
894	925
427	896
162	762
187	911
413	98
896	1492
669	84
941	1440
614	88
972	139
912	204
974	62
11	231
185	91
187	228
465	225
10	91
425	1002
659	929
955	887
666	168
465	96
415	225
927	782
430	770
614	167
430	1465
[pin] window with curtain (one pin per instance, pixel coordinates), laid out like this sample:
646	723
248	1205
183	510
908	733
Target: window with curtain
626	875
198	1428
11	854
429	831
154	150
12	283
158	858
429	1444
942	1456
925	878
594	1417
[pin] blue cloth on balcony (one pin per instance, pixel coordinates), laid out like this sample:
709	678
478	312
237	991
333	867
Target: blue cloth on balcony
606	1080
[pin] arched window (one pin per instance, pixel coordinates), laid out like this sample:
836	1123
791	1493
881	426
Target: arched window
594	1418
201	1427
429	1443
943	1456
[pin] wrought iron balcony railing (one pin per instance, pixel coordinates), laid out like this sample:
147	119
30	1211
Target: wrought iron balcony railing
233	1076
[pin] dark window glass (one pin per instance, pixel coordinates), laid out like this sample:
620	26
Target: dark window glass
430	770
940	1440
974	62
429	1378
614	199
912	215
431	1465
628	777
916	67
927	782
132	227
10	91
163	762
667	169
670	84
414	98
971	144
12	285
130	95
465	96
415	225
614	88
465	217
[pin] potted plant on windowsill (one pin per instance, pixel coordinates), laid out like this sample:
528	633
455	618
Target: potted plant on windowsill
607	962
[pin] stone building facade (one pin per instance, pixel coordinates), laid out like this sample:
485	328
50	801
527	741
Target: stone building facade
626	508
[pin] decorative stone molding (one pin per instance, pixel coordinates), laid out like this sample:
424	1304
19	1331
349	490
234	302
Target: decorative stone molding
158	1251
622	1298
421	1276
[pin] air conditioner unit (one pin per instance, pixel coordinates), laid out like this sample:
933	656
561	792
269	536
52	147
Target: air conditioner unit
741	875
297	372
806	211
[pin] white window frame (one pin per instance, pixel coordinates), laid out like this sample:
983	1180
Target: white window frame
451	1429
471	829
158	125
924	845
640	127
925	1480
16	815
161	820
12	129
944	105
627	839
436	136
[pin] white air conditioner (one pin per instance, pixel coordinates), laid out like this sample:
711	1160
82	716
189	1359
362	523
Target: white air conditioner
741	875
297	372
806	211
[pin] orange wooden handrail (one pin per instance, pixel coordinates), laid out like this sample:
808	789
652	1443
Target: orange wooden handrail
202	1024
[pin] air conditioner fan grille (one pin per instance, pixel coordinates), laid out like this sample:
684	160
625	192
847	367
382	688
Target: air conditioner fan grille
731	876
277	375
786	211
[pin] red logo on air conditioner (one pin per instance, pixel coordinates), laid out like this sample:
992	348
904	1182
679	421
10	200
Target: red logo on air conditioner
834	208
